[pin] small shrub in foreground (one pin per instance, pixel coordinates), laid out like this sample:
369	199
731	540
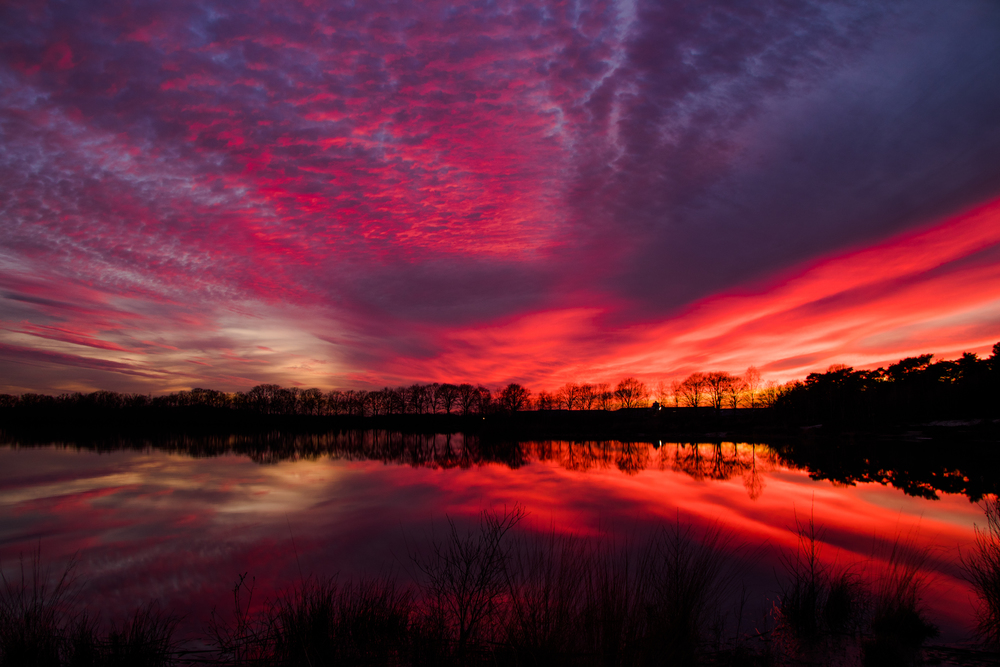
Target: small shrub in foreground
982	570
898	627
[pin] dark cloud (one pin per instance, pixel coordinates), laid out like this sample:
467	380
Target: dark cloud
792	136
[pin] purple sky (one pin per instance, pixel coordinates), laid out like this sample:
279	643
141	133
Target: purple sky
357	194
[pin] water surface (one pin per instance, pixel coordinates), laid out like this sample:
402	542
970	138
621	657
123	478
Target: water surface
180	520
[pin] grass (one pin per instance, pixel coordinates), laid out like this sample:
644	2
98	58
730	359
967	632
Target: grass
41	625
878	610
981	567
818	600
546	576
898	627
33	620
494	594
691	577
144	639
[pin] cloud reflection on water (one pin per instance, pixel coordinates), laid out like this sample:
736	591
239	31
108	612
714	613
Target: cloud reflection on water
154	524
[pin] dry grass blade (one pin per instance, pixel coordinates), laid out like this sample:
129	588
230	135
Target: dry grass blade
982	570
34	612
898	625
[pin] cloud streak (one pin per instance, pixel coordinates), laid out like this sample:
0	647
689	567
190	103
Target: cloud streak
391	192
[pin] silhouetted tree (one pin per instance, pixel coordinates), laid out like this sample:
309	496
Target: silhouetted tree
633	457
447	397
772	391
418	399
334	402
914	387
263	398
970	368
353	402
662	393
484	400
569	396
466	575
604	396
545	401
379	402
311	401
753	385
692	390
287	401
909	368
467	397
735	391
513	398
208	398
631	393
718	384
397	401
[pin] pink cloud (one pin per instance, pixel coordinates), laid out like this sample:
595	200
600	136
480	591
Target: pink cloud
535	191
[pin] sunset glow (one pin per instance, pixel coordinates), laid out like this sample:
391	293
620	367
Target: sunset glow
365	194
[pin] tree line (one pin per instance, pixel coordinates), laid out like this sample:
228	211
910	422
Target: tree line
415	399
720	389
273	399
912	386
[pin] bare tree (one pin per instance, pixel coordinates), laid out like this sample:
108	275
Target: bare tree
631	393
753	385
569	396
588	396
545	401
264	397
718	383
356	402
379	401
513	398
692	390
484	400
347	402
735	392
771	392
661	393
397	401
467	396
289	401
311	401
419	399
432	397
447	397
335	402
604	396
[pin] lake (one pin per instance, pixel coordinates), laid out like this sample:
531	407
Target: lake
177	520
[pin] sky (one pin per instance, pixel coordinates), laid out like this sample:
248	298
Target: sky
359	194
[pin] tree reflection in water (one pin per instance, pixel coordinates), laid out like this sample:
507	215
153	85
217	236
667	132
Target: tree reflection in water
701	461
722	461
649	479
918	470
